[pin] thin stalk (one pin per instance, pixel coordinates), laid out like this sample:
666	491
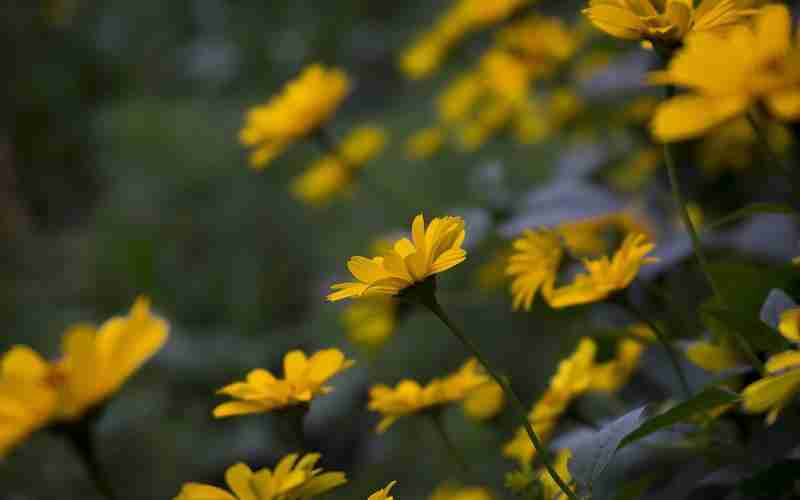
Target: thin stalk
663	338
81	436
436	419
429	301
766	150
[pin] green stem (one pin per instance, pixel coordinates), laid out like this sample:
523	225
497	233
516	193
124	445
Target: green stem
766	150
663	338
429	301
81	436
436	419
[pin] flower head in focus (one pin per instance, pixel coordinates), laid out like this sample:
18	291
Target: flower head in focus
664	21
534	265
430	251
294	478
383	493
726	75
304	379
605	276
301	107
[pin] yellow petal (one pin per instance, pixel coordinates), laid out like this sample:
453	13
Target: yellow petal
238	478
687	116
770	391
325	364
295	365
24	363
785	105
616	21
789	325
196	491
773	32
232	408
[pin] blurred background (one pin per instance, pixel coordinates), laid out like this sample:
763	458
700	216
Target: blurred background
121	174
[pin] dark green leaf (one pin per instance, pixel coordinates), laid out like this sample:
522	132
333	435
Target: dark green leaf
710	398
735	323
753	209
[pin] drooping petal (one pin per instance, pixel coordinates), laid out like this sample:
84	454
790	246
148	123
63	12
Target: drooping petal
687	116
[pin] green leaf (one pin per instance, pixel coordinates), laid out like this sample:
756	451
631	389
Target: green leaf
740	325
752	209
589	462
706	400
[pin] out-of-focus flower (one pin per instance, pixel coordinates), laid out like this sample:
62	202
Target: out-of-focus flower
425	143
592	236
304	379
492	274
550	489
534	265
383	494
748	66
456	101
714	357
324	179
291	479
776	390
485	402
97	362
789	325
370	322
28	399
606	276
453	492
667	21
734	145
505	75
299	109
409	397
573	378
434	249
543	43
632	173
612	375
362	144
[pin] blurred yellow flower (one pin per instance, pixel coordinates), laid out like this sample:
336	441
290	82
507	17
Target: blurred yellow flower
370	322
726	75
485	402
573	378
28	397
304	379
292	479
97	362
425	143
543	43
383	494
772	393
591	236
551	490
457	99
324	179
714	357
789	325
434	249
611	376
505	75
606	276
409	397
453	492
667	21
300	108
534	265
632	173
734	145
362	144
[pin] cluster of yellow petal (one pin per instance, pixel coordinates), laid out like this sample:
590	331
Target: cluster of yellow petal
485	402
383	494
665	21
428	51
408	397
303	379
300	108
453	492
424	143
575	376
431	250
95	363
549	487
543	43
294	478
370	322
333	173
714	357
728	74
534	265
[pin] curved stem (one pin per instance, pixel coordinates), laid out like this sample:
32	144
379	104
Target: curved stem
429	301
436	418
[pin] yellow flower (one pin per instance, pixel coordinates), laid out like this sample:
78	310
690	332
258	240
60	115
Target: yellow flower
485	402
326	178
456	101
534	265
550	489
748	66
573	378
97	362
303	105
773	392
424	56
505	74
605	276
612	376
304	379
434	249
666	21
409	397
28	398
789	325
424	143
452	492
542	42
383	494
369	322
292	479
734	145
362	144
591	236
713	357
